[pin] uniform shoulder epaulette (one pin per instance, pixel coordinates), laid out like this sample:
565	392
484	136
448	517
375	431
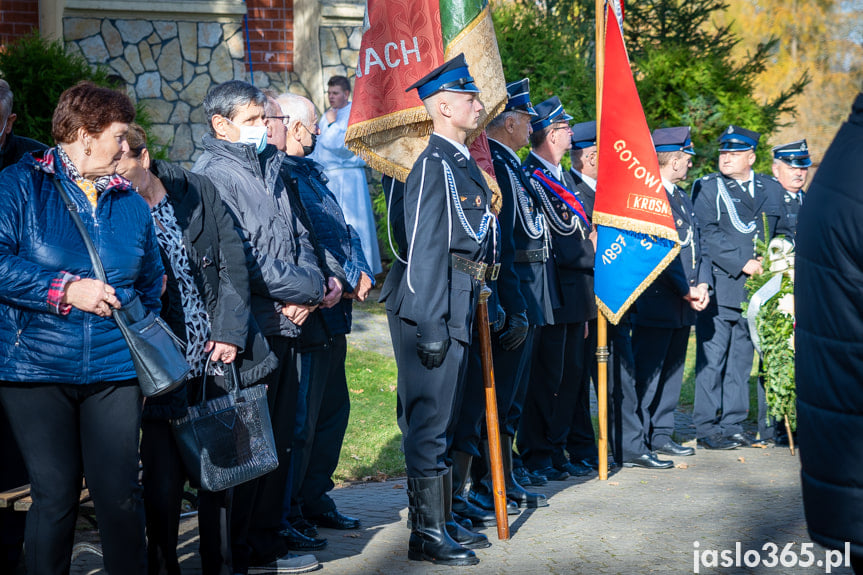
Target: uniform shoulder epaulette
709	176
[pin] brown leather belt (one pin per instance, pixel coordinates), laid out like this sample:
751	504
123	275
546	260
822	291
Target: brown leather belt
530	256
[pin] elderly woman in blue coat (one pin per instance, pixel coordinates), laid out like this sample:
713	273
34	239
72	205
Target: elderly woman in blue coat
66	375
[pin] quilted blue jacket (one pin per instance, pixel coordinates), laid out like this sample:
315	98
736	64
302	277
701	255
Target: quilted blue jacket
39	245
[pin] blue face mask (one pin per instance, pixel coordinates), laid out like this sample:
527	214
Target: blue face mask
256	135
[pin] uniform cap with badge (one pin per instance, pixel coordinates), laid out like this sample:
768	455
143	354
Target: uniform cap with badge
676	139
584	135
451	76
519	97
549	112
795	154
736	139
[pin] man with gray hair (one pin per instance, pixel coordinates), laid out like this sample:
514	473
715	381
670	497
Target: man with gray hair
13	473
12	147
323	344
286	286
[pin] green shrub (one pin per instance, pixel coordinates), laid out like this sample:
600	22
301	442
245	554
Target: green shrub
38	71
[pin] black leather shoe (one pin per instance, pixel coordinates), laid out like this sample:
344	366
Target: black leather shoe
296	541
648	461
574	469
485	500
716	441
553	474
304	527
781	440
673	448
593	463
526	478
477	515
334	520
744	439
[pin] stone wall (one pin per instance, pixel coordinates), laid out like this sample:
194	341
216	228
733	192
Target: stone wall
340	46
169	66
170	61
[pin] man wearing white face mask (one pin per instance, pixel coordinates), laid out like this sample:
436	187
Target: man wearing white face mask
286	285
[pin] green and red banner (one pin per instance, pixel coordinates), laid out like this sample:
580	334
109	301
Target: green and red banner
636	234
403	40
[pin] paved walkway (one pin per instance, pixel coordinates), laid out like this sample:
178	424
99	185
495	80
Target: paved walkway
637	521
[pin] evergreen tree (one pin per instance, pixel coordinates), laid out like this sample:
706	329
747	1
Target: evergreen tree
683	63
687	74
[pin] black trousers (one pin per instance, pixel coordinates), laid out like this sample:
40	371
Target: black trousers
626	429
509	374
320	427
66	432
556	381
581	441
428	399
256	515
722	364
163	478
660	355
13	473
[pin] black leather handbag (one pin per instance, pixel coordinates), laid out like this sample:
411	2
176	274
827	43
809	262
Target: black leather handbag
227	440
158	354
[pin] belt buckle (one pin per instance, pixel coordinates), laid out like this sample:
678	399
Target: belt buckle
492	272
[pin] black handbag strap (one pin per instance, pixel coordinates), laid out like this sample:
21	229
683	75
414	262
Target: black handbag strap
91	249
233	379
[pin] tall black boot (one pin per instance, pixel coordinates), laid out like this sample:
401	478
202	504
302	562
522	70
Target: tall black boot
514	491
460	505
429	538
462	536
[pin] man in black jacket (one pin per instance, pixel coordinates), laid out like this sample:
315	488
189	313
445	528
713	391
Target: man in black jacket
286	285
12	473
665	312
731	207
557	369
323	419
520	288
12	147
581	441
448	231
829	344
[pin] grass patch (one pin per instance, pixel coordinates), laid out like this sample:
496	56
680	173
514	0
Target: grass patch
687	392
372	446
371	305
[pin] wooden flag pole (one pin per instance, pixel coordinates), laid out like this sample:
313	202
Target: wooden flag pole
601	322
491	418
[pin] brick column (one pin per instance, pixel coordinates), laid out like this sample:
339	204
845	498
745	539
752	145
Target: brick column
271	35
19	18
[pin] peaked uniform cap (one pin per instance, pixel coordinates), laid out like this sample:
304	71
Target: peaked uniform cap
519	97
795	154
673	140
584	135
451	76
549	112
735	138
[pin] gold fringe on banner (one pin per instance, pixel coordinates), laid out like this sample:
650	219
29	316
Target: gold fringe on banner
634	225
614	318
391	143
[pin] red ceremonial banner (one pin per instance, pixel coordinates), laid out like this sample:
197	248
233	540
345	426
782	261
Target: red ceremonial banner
629	191
402	44
403	40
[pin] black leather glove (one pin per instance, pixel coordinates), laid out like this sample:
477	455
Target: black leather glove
516	331
499	320
432	353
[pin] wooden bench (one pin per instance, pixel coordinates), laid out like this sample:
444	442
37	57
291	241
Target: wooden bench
19	498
